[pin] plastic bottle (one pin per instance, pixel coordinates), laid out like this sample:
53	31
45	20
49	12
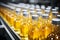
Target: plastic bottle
55	35
34	31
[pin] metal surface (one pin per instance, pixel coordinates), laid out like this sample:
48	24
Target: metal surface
9	31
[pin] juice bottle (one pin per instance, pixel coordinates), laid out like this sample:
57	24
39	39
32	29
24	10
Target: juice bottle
53	15
45	29
40	19
26	24
24	28
17	24
34	31
12	18
55	35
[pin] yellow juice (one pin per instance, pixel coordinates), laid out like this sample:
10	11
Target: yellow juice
12	17
17	24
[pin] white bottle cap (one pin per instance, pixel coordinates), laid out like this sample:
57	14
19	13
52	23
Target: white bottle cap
54	9
45	15
42	6
39	13
49	7
47	11
32	12
38	9
18	9
35	17
37	6
56	21
24	10
25	14
58	16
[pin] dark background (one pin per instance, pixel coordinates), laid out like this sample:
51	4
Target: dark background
53	3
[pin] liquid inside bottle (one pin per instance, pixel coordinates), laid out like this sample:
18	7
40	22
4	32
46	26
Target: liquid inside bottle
55	35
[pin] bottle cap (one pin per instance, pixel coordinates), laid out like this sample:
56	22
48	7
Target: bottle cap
48	8
45	15
58	16
18	9
38	10
11	7
57	8
32	12
39	13
55	13
28	5
53	9
56	21
47	11
32	9
25	14
35	17
37	6
42	6
24	10
32	5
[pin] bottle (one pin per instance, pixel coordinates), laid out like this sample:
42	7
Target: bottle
55	35
34	31
45	26
53	15
40	19
18	11
17	24
11	20
25	25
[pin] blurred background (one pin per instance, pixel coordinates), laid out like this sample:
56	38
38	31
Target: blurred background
53	3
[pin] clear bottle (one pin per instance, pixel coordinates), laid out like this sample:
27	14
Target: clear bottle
11	20
53	15
55	35
40	19
25	25
34	31
45	26
17	24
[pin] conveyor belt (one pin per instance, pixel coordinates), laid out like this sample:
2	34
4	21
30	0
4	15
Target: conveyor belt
16	37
